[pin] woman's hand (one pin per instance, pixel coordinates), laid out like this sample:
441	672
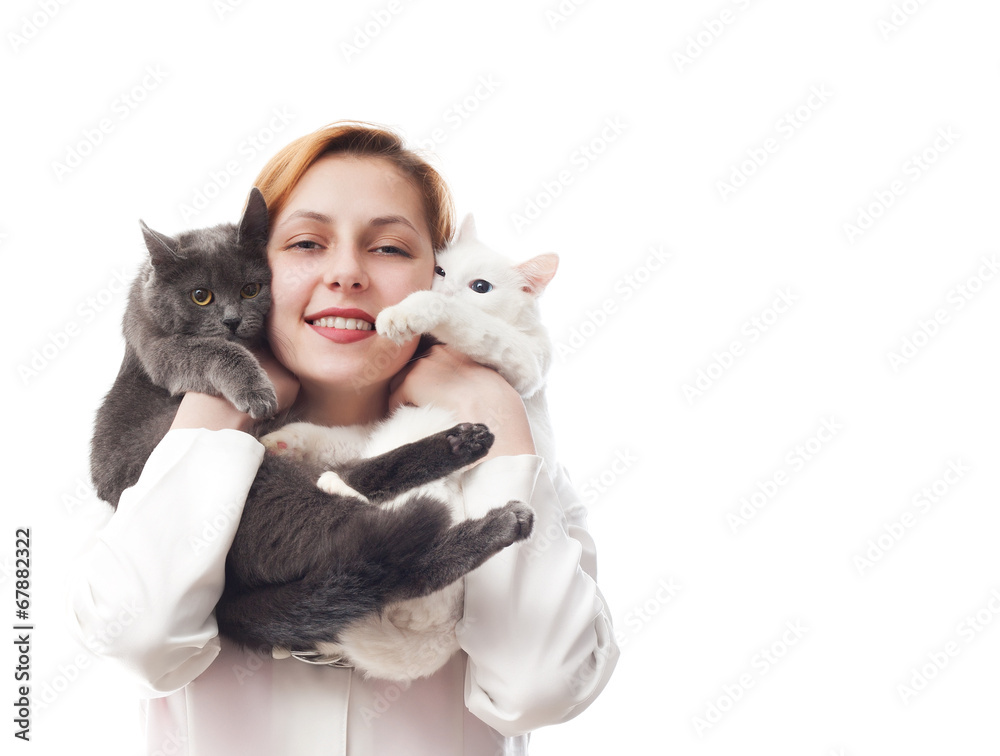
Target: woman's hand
286	385
215	413
476	394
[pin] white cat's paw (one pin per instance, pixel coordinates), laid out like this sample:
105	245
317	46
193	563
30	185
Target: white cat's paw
396	325
289	442
334	484
420	312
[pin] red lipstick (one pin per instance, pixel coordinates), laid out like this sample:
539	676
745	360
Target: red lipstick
325	323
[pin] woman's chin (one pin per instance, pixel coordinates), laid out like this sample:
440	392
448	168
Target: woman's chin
356	366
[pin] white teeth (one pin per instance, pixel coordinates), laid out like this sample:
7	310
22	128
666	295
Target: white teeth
347	324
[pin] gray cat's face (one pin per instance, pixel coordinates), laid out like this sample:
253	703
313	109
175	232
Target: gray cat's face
212	282
211	288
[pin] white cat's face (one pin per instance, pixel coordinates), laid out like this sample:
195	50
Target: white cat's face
471	270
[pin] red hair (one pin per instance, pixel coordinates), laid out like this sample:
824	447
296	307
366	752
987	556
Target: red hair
282	172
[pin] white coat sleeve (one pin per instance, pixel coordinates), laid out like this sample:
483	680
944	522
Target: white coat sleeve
144	592
536	629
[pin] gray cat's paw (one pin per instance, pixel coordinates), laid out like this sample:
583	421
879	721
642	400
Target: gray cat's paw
513	522
469	441
259	403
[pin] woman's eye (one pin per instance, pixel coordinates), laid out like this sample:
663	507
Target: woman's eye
304	244
480	286
201	296
388	249
250	291
439	270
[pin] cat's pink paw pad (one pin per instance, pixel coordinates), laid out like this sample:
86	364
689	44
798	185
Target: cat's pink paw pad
278	445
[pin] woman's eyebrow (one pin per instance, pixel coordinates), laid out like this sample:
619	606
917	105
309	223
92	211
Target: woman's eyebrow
310	214
387	220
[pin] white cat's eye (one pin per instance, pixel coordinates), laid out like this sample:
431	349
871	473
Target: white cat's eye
480	286
439	270
201	296
250	291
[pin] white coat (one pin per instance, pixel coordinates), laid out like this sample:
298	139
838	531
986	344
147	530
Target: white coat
536	637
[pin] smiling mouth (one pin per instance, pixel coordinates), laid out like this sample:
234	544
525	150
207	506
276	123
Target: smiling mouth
346	324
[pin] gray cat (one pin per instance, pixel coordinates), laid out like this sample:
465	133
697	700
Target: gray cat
195	309
305	563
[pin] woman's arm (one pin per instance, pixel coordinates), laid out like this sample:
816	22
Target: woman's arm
536	628
145	591
475	393
215	413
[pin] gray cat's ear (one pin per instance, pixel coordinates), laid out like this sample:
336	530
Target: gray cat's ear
253	224
538	272
467	231
162	248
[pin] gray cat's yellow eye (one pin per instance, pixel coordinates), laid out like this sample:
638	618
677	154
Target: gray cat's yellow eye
201	296
439	270
250	291
480	286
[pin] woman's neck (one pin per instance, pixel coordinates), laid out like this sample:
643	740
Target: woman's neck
328	406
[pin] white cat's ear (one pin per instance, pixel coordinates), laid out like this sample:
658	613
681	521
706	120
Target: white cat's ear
162	248
538	272
467	231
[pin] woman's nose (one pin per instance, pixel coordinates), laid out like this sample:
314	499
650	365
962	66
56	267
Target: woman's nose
346	271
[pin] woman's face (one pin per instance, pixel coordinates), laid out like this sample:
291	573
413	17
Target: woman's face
350	241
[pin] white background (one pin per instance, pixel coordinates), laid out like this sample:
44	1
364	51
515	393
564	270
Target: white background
516	94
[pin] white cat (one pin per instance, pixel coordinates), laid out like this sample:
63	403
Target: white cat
485	307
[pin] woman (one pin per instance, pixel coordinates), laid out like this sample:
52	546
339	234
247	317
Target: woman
355	222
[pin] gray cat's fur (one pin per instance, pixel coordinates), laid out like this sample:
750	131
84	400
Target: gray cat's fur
304	562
